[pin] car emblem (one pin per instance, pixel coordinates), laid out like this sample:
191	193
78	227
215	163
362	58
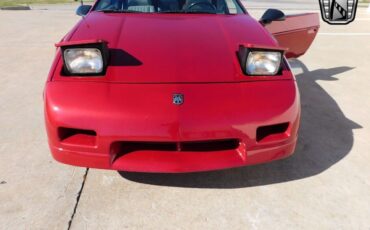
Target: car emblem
338	12
178	99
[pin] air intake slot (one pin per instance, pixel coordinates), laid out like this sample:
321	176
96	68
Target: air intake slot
72	136
278	131
124	147
204	146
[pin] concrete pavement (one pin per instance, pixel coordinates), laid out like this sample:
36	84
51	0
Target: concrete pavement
37	192
325	185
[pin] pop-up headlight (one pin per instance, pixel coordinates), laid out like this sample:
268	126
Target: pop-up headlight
260	61
85	58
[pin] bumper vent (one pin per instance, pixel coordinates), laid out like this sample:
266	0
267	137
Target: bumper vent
277	131
125	147
80	137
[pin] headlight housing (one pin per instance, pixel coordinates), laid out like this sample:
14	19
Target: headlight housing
263	63
84	58
260	61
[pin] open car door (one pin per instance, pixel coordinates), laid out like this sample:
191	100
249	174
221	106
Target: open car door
296	32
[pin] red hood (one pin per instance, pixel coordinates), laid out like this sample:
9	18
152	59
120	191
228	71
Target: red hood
172	48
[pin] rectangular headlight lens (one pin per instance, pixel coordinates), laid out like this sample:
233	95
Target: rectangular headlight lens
83	60
263	63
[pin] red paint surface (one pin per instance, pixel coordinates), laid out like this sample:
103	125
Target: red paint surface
296	32
159	55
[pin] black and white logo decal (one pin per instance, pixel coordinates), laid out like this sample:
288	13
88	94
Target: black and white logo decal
338	12
178	99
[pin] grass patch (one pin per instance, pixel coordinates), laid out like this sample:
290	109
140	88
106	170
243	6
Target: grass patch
28	2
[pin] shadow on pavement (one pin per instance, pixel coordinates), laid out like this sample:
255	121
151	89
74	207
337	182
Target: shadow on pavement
325	138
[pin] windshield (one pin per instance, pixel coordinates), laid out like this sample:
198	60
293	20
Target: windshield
170	6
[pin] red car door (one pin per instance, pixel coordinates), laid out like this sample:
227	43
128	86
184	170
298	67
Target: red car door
295	33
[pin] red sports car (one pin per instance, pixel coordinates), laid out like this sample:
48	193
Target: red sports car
175	86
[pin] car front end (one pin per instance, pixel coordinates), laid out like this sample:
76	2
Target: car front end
183	99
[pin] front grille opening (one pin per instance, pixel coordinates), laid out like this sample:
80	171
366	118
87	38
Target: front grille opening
267	131
128	147
125	147
213	145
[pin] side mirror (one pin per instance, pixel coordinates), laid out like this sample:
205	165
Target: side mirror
272	15
83	10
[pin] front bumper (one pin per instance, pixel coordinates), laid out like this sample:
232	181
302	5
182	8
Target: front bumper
145	113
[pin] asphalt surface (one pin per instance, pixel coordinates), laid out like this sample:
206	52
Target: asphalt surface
325	185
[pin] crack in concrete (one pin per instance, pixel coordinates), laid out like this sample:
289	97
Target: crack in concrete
78	199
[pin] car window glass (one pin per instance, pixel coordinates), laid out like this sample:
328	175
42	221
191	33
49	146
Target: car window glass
170	6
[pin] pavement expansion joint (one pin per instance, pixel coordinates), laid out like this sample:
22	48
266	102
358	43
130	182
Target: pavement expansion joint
78	198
